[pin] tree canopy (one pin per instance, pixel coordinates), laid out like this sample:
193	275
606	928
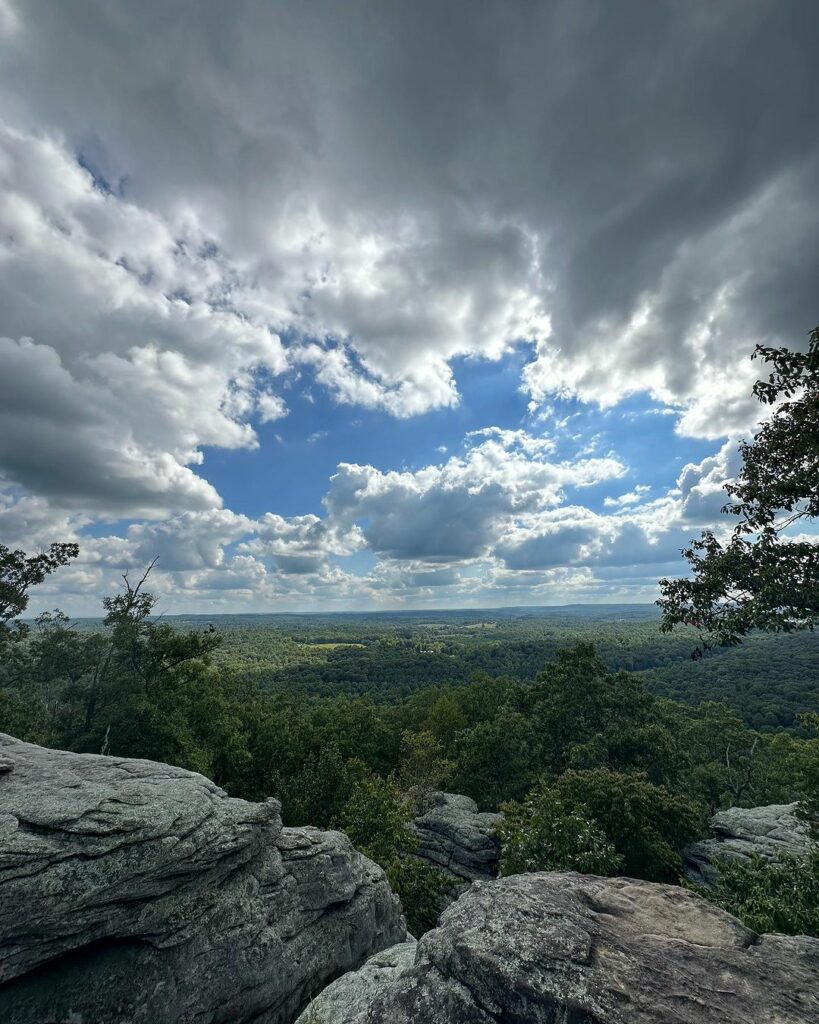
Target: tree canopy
762	577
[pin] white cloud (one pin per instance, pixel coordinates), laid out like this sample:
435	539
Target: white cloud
629	498
455	511
354	199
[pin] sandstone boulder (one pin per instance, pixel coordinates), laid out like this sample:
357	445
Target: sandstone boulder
458	838
350	996
738	833
555	947
133	891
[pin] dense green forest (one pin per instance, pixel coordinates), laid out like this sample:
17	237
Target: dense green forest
350	720
769	680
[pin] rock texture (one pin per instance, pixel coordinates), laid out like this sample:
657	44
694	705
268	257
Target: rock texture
578	949
457	838
131	891
350	996
740	832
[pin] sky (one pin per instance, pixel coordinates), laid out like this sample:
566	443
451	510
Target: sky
332	306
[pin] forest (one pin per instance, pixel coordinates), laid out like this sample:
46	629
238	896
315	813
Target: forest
344	718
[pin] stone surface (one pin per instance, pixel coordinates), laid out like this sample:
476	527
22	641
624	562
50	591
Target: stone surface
132	891
739	832
457	838
577	949
351	995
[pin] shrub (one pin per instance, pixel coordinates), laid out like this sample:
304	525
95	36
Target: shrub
541	833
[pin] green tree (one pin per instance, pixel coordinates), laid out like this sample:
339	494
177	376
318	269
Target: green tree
779	896
590	717
423	768
496	760
18	573
648	825
377	819
760	579
542	833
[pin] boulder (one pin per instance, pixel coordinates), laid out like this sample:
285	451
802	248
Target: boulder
738	833
458	838
131	891
563	947
352	994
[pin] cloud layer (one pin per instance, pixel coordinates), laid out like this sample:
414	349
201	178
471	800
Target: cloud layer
206	211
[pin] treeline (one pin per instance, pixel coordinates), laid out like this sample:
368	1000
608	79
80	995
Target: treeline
141	688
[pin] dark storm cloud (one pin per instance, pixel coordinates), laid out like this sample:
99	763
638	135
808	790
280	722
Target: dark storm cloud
661	156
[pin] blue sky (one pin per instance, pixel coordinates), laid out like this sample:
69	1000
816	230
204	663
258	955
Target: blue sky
303	449
331	306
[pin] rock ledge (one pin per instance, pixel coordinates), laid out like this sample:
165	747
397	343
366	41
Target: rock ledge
131	891
567	947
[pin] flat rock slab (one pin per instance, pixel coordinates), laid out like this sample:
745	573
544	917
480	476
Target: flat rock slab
562	948
131	891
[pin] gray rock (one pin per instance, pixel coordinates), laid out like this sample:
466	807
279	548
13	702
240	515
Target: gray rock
457	838
132	891
555	947
738	833
352	994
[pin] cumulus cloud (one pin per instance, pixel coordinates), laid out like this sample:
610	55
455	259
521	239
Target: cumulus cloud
121	364
455	510
194	211
493	525
414	185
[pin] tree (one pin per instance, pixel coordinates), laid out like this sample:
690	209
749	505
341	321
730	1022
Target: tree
495	759
589	717
760	579
377	819
423	768
779	896
19	572
542	833
647	824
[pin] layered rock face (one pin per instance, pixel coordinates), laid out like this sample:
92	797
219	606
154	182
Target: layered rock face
585	950
457	838
131	891
740	832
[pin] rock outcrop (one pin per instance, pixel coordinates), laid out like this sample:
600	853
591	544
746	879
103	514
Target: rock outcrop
131	891
581	949
350	996
457	838
738	833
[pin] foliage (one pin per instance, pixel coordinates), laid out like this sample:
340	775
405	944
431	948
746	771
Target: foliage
541	833
422	890
648	825
18	573
778	896
626	776
760	579
377	817
590	717
496	758
423	767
